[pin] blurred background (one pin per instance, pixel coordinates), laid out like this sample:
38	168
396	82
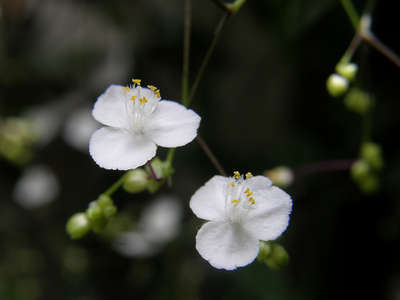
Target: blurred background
263	104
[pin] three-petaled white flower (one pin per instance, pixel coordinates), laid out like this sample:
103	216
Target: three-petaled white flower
136	121
241	211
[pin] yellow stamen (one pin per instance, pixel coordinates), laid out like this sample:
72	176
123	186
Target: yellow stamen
248	175
133	98
152	87
126	89
157	92
252	201
236	174
235	201
232	184
136	81
143	100
249	194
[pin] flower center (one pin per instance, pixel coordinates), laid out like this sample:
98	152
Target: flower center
139	104
239	198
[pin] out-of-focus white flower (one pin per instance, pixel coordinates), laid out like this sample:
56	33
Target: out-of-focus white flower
136	121
78	129
281	176
159	224
241	212
37	186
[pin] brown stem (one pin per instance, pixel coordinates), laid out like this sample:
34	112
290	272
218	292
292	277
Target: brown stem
210	155
371	39
324	166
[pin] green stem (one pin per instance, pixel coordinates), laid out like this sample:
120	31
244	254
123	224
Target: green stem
170	155
112	189
351	13
186	51
206	59
354	44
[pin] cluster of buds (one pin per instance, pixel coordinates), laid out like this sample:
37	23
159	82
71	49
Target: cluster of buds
365	170
96	217
273	255
148	178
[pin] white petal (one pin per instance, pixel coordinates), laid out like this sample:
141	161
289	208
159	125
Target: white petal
109	108
270	216
258	183
226	245
208	202
134	244
113	148
172	124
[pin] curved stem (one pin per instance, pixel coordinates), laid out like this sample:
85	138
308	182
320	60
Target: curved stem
371	39
206	59
210	155
112	189
186	51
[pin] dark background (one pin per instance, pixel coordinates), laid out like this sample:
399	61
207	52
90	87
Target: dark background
263	103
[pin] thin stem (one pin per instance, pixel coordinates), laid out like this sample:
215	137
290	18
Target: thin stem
186	51
371	39
351	13
112	189
152	173
354	44
206	59
210	155
324	166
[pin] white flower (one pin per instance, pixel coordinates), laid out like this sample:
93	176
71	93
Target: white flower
136	121
37	186
241	212
159	224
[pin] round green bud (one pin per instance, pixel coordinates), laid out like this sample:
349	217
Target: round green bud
78	226
273	255
372	153
358	101
110	211
347	70
359	170
369	184
136	181
154	185
104	201
94	211
337	85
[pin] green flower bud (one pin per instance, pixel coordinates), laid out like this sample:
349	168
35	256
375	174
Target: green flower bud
94	211
104	201
358	101
136	181
369	184
347	70
154	185
157	166
110	211
281	176
273	255
372	153
337	85
78	226
359	170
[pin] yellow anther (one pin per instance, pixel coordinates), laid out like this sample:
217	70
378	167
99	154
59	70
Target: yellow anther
136	81
126	89
157	92
252	201
143	100
248	175
249	194
236	174
235	201
232	184
152	87
133	98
